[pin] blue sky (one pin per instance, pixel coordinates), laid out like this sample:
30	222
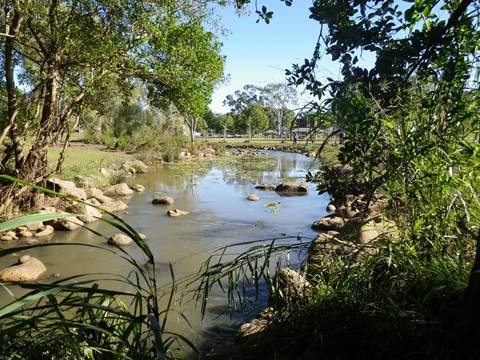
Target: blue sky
259	53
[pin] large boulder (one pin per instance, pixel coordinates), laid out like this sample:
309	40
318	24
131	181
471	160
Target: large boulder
164	200
103	199
25	233
28	268
292	284
56	184
120	240
292	189
376	228
347	212
329	223
127	169
35	226
259	324
331	208
93	193
121	189
84	181
10	235
75	192
138	188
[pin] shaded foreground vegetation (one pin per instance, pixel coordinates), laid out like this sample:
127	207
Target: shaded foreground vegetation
80	317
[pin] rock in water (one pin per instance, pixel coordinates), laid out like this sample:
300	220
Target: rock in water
35	226
253	197
25	233
46	231
292	189
266	187
69	224
112	206
138	188
121	189
164	200
27	269
177	212
120	240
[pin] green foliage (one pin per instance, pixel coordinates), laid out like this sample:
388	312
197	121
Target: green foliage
275	98
253	119
71	55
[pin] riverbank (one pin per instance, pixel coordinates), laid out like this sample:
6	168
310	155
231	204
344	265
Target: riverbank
366	291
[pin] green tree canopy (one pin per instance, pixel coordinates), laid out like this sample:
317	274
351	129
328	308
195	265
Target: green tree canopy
65	53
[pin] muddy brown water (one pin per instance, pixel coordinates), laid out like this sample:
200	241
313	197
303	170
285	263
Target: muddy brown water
214	191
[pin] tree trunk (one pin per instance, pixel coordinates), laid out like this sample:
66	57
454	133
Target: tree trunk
11	31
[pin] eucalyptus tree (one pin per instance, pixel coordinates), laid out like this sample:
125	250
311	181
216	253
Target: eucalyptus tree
62	53
279	97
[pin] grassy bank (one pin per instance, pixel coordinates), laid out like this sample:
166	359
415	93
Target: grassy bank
86	161
327	156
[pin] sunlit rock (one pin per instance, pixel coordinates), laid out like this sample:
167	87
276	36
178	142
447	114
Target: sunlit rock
28	268
121	189
177	212
120	240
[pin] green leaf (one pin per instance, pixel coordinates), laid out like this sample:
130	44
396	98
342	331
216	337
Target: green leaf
31	219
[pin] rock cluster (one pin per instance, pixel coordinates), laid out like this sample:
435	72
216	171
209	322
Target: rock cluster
348	230
185	154
86	201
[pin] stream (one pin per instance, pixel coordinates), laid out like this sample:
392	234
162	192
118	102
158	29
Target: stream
214	191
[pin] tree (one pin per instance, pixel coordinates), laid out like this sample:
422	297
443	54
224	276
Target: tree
275	99
253	119
241	99
410	124
65	53
219	123
279	97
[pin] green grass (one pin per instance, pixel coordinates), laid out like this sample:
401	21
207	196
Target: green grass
85	162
